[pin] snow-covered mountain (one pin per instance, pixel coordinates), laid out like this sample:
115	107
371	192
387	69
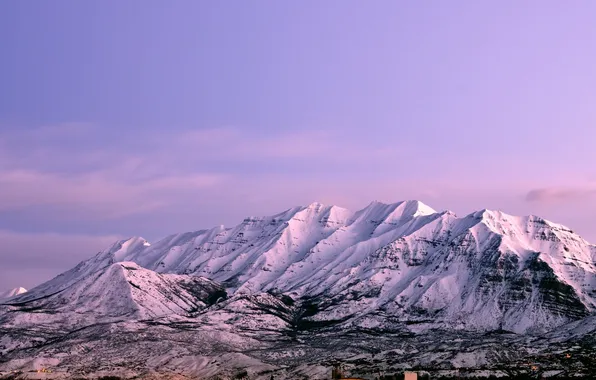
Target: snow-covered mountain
398	268
116	291
12	293
486	270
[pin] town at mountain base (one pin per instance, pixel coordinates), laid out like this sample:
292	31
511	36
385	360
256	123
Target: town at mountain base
387	288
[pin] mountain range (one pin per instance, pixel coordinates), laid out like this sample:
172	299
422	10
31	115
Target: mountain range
388	287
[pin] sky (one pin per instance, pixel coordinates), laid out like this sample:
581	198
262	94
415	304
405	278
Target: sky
146	118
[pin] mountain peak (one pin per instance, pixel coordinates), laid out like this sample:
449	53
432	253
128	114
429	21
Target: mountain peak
418	208
122	248
394	211
486	214
128	265
12	293
315	205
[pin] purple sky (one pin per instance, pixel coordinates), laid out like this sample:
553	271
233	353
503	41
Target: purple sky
122	118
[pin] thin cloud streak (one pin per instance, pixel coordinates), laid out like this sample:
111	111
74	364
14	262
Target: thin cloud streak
551	195
53	149
153	171
106	195
155	184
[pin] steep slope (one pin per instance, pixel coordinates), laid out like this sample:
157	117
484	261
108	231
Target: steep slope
12	293
81	272
487	270
119	291
259	252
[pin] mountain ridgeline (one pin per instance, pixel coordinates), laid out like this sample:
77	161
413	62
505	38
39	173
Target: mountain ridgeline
393	268
487	270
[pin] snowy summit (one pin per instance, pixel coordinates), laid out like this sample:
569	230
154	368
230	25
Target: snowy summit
12	293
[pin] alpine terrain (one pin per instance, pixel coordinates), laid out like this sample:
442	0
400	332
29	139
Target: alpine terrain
383	289
12	293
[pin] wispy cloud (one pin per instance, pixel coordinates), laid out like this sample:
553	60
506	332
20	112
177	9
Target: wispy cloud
78	144
99	192
76	164
197	178
554	194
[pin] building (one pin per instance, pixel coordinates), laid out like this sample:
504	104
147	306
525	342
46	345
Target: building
337	373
